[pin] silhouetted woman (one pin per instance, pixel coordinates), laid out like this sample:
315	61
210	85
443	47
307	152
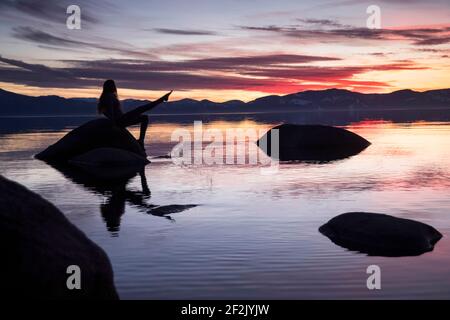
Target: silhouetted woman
109	105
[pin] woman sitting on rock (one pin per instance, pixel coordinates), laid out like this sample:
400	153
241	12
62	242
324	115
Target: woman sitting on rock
109	105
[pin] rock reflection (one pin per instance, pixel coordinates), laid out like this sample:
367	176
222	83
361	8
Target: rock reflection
113	186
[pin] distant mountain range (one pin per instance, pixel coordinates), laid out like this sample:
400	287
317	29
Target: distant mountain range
13	104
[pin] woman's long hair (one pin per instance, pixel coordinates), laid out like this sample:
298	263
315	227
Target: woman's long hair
109	90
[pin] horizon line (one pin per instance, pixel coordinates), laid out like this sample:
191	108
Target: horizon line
225	101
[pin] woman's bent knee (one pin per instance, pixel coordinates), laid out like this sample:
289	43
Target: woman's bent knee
144	118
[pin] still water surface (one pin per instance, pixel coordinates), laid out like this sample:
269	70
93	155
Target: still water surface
253	235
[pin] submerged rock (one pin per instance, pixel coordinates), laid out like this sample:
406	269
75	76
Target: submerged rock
380	234
99	180
109	158
38	244
313	143
99	133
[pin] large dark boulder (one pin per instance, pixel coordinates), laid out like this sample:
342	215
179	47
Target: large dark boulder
99	133
38	243
313	143
102	181
380	234
109	158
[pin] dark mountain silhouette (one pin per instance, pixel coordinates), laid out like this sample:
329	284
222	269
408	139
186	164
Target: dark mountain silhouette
323	100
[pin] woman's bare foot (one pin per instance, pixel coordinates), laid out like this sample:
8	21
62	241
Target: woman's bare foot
165	97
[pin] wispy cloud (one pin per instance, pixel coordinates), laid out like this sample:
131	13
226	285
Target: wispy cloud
186	32
37	68
417	36
329	73
321	22
224	64
270	73
35	74
44	38
41	37
49	10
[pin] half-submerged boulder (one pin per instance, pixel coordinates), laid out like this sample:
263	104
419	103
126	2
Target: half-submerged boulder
380	234
103	181
38	244
312	143
110	158
99	133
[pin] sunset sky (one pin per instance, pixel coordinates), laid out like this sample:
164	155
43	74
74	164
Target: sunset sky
223	50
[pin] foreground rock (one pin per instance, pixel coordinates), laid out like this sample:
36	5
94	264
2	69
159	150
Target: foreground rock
313	143
380	234
99	133
38	244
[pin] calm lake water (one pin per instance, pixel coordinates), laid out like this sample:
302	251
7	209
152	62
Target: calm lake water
254	235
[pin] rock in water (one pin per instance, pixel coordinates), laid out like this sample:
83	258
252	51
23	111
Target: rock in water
95	179
380	234
109	158
38	243
99	133
313	143
107	164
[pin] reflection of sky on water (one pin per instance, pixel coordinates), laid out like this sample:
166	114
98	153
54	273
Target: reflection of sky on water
256	235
